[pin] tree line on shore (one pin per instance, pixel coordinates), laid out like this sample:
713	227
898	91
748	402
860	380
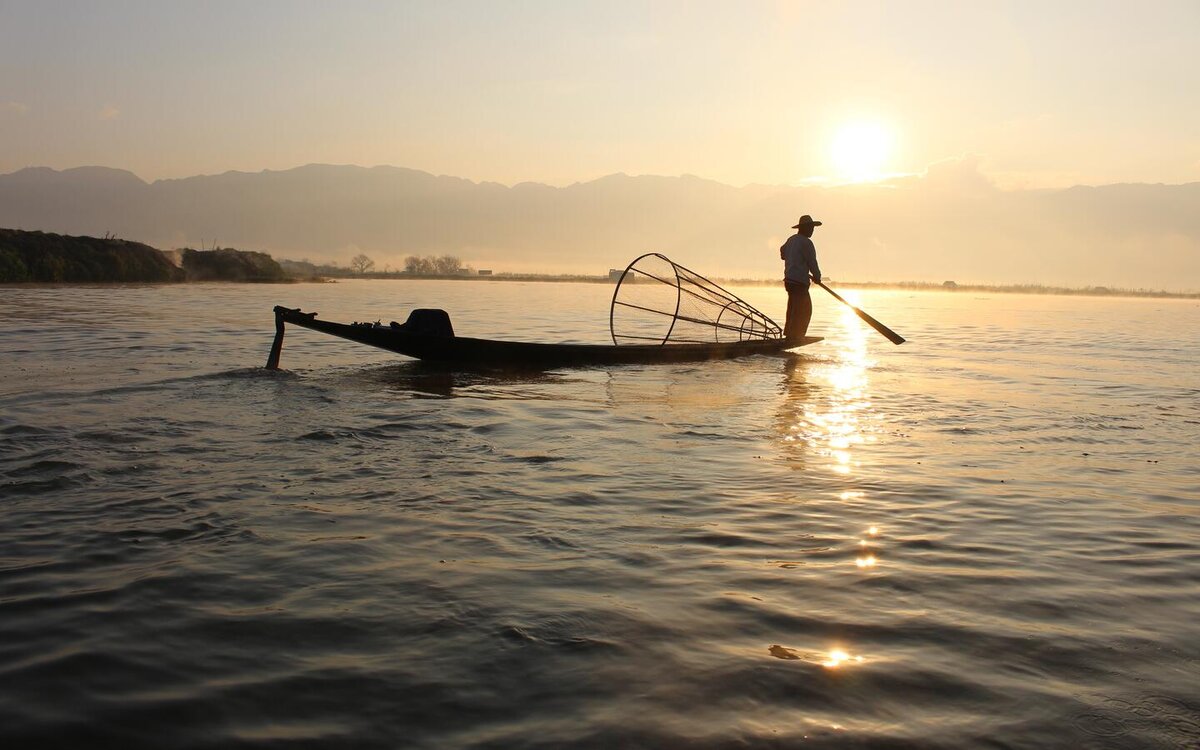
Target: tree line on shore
55	258
46	257
363	265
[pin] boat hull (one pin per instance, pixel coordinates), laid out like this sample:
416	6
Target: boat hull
461	350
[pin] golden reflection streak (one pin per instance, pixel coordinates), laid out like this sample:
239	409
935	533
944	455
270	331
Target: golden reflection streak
866	558
830	423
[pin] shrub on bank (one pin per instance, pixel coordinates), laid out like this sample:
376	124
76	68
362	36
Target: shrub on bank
46	257
227	264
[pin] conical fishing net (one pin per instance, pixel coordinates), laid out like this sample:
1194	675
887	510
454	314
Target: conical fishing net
658	301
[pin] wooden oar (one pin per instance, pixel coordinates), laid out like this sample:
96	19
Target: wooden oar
891	335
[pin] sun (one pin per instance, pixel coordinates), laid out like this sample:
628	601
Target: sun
860	150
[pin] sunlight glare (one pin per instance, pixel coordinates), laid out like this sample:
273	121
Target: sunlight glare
838	657
860	150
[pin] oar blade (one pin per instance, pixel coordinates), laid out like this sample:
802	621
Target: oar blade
888	333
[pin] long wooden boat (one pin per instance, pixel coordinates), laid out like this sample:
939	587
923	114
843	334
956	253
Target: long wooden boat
660	312
462	350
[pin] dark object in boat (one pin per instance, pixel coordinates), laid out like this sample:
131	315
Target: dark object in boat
688	317
426	322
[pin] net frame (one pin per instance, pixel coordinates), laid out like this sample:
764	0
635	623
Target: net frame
710	313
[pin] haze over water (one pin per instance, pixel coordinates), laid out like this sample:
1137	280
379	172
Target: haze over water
987	537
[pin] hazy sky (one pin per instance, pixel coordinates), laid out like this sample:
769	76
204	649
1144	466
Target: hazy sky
1047	93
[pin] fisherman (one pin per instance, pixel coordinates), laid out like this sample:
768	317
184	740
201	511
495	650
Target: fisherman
799	257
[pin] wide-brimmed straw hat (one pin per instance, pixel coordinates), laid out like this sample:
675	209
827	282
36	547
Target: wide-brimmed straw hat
807	221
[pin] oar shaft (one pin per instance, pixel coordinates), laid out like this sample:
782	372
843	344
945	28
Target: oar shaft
277	344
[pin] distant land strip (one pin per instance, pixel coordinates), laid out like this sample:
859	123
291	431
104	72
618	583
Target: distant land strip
42	257
1091	291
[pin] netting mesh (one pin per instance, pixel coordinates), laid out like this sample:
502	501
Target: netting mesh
658	301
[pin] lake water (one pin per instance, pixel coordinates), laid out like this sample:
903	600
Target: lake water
987	537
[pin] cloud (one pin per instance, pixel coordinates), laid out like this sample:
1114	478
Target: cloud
20	109
109	112
961	173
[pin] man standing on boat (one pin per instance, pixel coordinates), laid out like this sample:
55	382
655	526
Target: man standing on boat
799	256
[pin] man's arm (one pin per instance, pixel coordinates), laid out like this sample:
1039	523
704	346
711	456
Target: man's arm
810	259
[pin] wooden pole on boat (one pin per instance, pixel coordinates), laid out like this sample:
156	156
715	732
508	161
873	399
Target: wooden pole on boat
891	335
277	344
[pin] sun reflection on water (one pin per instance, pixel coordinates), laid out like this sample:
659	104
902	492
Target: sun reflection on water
866	557
838	657
826	403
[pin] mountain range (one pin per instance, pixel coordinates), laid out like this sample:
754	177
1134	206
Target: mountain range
949	223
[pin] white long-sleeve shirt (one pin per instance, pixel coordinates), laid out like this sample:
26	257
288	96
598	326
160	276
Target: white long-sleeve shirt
799	259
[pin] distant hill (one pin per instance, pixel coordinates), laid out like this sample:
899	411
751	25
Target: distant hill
950	223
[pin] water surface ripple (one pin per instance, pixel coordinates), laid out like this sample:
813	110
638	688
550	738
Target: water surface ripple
985	538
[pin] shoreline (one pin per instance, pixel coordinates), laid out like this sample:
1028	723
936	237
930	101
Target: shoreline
901	286
918	286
